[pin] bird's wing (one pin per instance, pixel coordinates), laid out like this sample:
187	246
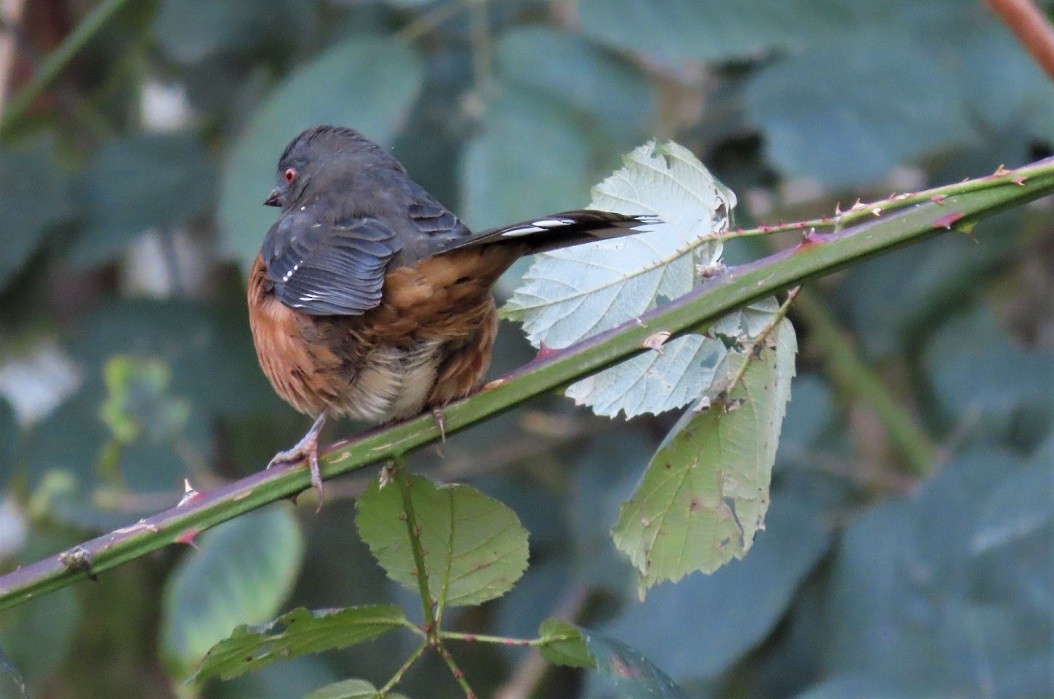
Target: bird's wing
328	269
438	226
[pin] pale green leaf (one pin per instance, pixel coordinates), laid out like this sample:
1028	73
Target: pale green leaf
573	293
350	689
474	546
706	490
563	644
367	83
652	382
296	633
240	573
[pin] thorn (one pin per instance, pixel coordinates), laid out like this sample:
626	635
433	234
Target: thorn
385	477
858	205
187	537
838	209
1001	170
1019	180
946	222
189	494
938	198
877	211
710	271
655	341
544	352
809	239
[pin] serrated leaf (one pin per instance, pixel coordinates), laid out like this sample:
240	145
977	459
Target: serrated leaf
350	689
240	573
296	633
563	644
366	82
627	672
706	490
474	546
652	382
573	293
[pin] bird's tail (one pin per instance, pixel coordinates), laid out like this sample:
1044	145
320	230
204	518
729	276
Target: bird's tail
561	230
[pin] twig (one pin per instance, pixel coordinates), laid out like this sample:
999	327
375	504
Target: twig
961	204
398	676
1032	28
455	670
57	60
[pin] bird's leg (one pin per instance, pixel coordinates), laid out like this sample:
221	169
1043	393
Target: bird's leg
306	450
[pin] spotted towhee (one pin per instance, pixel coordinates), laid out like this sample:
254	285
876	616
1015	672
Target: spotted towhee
369	298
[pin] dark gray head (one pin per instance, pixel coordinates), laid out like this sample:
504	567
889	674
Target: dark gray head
320	156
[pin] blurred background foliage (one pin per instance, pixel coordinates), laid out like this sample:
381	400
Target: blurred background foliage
132	190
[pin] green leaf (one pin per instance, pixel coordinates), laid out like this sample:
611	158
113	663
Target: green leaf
137	182
35	197
826	113
296	633
563	644
37	636
602	85
240	574
703	625
982	376
367	83
517	126
569	294
349	689
1020	506
189	31
627	672
475	548
705	493
711	30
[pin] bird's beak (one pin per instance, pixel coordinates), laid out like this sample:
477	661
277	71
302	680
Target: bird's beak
274	199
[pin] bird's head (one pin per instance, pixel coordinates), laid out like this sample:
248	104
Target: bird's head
317	158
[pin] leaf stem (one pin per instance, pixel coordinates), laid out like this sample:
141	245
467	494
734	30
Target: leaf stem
455	670
404	483
759	341
398	676
733	288
484	638
57	60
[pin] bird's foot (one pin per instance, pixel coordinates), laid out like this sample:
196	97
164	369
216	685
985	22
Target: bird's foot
437	415
305	450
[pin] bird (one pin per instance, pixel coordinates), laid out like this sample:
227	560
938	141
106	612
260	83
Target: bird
369	299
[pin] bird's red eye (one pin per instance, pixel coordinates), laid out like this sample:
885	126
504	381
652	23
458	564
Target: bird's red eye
289	175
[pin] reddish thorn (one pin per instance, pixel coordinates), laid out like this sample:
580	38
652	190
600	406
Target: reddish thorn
470	638
948	221
544	352
809	239
1019	180
938	198
189	494
187	537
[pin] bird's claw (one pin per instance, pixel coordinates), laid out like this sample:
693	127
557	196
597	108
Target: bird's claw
305	450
